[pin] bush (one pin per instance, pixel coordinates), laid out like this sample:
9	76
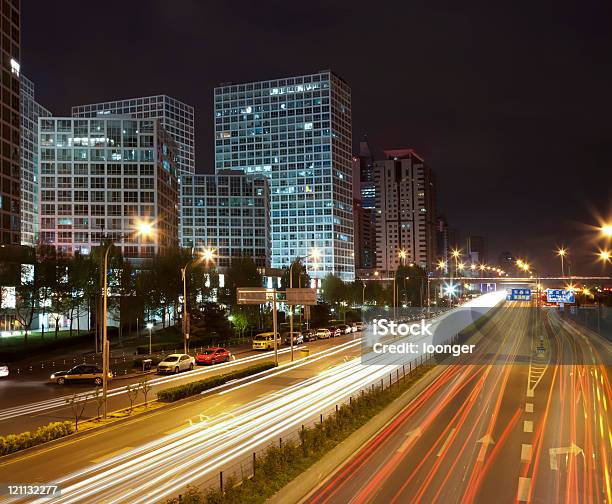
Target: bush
15	442
193	388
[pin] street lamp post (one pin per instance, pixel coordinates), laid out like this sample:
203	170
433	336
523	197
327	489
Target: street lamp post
149	327
291	310
562	253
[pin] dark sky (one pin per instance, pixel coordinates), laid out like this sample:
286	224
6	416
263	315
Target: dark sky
509	102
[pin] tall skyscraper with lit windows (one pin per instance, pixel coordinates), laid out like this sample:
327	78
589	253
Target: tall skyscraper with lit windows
176	117
297	131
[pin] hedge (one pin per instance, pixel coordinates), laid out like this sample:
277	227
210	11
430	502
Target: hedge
193	388
15	442
279	465
159	347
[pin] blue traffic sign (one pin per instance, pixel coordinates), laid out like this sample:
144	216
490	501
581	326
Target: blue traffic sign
518	295
560	296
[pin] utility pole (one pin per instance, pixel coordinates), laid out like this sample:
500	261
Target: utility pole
290	310
275	327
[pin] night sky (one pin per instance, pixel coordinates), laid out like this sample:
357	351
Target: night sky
509	102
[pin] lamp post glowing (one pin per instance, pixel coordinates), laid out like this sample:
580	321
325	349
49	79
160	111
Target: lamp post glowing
606	230
207	256
149	327
145	229
605	256
562	253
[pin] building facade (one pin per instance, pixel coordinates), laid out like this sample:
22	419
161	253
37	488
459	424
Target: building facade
102	178
476	248
10	169
297	132
228	212
176	117
30	112
405	211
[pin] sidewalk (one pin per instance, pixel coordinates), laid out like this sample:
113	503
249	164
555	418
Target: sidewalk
301	487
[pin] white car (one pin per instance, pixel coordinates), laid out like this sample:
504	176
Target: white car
4	370
323	333
175	363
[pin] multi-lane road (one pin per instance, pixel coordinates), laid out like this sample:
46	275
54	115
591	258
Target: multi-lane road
533	425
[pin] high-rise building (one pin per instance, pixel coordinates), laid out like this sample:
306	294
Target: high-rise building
405	211
476	249
10	169
228	212
442	243
297	132
102	178
176	117
365	185
30	112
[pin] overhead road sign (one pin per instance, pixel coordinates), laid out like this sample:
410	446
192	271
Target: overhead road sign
254	295
560	296
302	296
518	295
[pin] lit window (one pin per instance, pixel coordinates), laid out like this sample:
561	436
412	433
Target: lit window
15	67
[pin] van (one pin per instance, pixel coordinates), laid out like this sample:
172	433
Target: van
265	341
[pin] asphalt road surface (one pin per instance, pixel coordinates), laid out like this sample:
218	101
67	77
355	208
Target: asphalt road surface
535	429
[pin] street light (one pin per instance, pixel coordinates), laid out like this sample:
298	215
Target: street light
561	252
606	230
143	228
149	327
207	255
605	256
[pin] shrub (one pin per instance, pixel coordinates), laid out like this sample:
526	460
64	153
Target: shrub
193	388
15	442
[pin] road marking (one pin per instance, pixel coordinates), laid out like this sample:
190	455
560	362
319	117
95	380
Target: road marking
525	453
528	407
573	449
527	426
410	438
450	435
529	392
524	485
111	454
485	441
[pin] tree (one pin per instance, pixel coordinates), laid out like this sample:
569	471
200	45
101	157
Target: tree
26	297
411	283
145	387
47	275
132	393
240	322
242	272
300	275
333	289
77	404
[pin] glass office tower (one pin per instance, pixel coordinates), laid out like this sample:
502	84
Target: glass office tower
30	112
175	117
296	131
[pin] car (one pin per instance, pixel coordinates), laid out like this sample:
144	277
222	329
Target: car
4	370
358	326
335	331
344	328
309	335
175	363
323	333
298	338
213	356
80	373
265	341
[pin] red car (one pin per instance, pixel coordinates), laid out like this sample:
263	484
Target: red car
213	356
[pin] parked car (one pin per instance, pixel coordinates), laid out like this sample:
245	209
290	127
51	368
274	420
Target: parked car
298	338
4	370
335	331
80	373
309	335
213	356
345	328
265	341
175	363
323	333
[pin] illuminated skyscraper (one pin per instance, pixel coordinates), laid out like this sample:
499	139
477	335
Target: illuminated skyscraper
297	132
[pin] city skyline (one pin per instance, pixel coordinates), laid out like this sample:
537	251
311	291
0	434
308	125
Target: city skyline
472	129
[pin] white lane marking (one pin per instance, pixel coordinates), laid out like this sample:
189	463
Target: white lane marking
443	447
410	438
528	407
529	392
527	426
524	485
485	441
525	453
573	449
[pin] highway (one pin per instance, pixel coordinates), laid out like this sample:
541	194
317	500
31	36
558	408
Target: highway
24	414
529	426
